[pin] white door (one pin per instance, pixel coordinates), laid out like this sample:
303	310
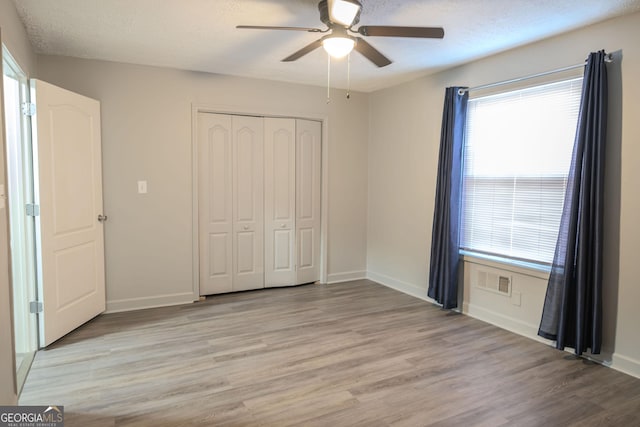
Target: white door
215	203
280	201
68	169
308	172
248	203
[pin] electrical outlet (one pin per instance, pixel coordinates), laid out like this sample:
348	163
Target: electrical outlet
142	187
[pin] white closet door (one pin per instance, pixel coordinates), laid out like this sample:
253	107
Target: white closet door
280	201
308	169
215	207
248	203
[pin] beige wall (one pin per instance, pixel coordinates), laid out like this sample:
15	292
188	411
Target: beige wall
146	135
403	150
15	38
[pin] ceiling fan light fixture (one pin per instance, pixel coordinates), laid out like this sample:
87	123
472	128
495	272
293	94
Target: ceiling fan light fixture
344	12
338	46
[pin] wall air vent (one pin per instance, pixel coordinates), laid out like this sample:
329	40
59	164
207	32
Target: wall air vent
503	285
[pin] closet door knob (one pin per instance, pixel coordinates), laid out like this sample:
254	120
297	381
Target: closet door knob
245	228
102	218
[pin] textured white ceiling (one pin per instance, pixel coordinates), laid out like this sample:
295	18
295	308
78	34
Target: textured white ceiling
200	35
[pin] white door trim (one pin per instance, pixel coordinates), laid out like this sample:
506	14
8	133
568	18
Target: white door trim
248	111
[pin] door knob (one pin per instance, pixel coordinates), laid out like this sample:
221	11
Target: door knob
246	227
283	226
102	218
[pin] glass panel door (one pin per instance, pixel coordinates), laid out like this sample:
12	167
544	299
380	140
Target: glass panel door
22	227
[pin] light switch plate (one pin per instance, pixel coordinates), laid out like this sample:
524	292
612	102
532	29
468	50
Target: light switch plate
142	187
3	197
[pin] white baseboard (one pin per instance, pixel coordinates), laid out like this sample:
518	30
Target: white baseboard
505	322
615	361
399	285
346	276
130	304
625	364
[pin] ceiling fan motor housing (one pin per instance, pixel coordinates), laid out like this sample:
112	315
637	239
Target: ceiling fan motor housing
340	16
323	7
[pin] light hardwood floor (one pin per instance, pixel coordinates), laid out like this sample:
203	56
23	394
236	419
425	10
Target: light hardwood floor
348	354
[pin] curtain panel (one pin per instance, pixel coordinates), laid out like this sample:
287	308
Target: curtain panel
572	313
445	237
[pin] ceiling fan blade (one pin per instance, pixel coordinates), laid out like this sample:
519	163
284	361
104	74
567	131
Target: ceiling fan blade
262	27
302	52
392	31
371	53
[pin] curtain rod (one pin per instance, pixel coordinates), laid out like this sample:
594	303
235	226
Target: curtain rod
607	58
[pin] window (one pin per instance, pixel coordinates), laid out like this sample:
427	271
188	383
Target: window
517	155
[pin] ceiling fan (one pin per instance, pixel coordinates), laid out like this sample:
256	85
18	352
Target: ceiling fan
340	16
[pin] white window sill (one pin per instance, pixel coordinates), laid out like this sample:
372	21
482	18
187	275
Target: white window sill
520	267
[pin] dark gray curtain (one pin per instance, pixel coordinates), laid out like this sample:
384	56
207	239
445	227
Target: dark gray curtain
443	273
572	313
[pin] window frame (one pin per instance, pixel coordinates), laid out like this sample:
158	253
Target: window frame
501	258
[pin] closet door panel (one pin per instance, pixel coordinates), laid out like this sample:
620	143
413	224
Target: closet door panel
306	251
308	197
280	202
215	203
248	203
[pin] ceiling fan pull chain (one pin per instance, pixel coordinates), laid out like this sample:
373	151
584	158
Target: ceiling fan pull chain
328	78
349	76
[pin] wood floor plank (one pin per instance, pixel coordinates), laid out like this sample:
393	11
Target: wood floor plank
349	354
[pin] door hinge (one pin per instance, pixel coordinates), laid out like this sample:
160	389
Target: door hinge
28	109
35	307
33	209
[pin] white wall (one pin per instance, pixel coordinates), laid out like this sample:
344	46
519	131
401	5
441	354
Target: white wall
14	37
403	150
146	135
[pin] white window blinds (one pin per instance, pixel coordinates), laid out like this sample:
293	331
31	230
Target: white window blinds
517	155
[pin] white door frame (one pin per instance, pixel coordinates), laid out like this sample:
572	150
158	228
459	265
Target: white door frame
25	324
248	111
